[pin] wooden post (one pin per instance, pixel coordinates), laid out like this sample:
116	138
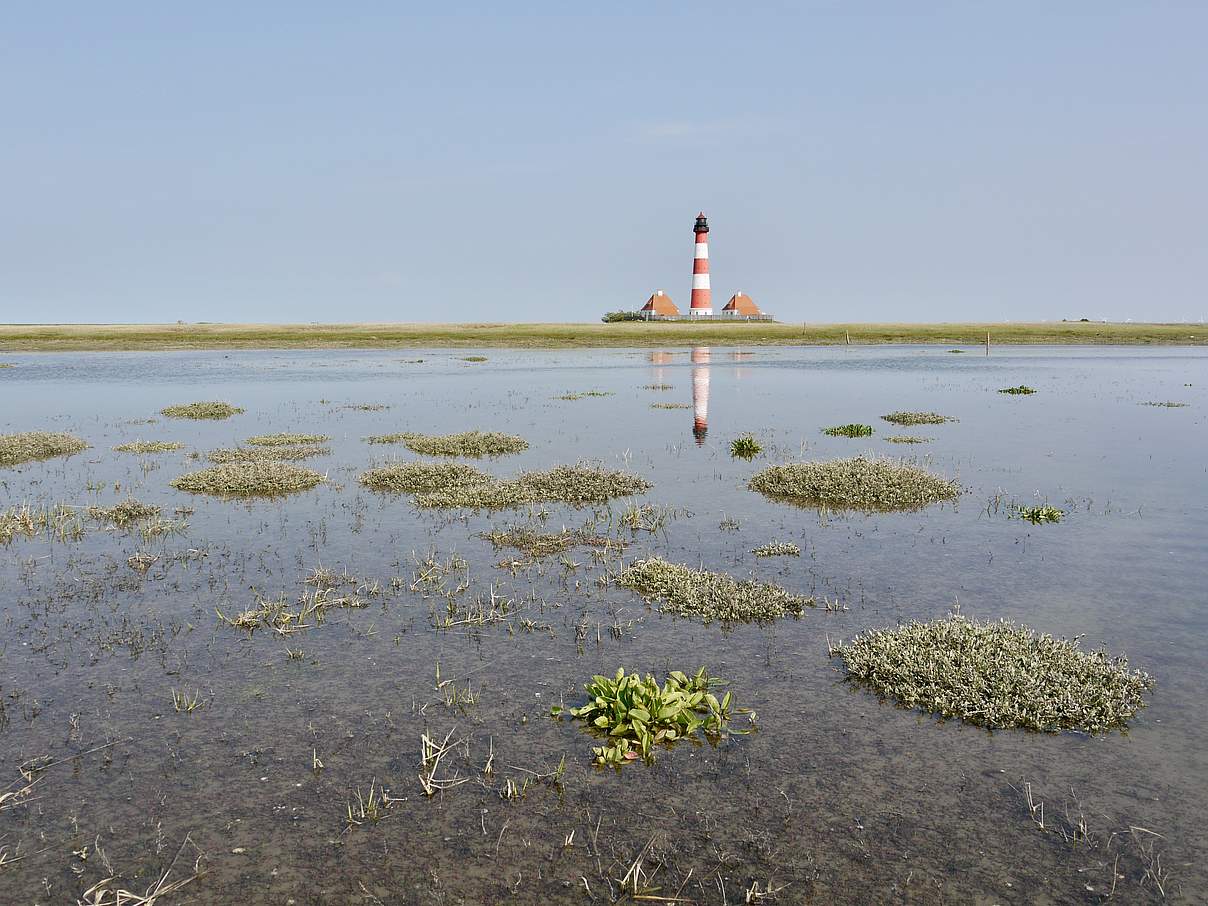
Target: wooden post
987	342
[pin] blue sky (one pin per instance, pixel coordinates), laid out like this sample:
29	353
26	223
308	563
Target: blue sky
502	162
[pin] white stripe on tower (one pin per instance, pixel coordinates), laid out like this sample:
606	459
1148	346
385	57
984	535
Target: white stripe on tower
702	299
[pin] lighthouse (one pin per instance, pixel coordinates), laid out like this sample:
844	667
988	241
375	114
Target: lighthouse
702	300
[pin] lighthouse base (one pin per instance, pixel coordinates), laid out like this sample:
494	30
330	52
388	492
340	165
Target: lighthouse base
700	313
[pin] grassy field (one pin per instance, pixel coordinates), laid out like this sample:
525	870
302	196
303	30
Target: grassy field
71	337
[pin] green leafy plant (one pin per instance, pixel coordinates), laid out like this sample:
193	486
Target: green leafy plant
746	447
1021	390
849	431
1037	514
637	714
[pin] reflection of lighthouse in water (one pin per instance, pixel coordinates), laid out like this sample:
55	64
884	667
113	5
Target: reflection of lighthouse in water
700	393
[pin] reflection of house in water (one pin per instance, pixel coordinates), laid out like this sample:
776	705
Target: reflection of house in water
738	356
659	359
700	393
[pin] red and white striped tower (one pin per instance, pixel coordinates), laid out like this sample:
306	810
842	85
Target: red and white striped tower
702	298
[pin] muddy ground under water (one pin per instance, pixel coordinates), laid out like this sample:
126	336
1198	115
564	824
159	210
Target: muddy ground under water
836	797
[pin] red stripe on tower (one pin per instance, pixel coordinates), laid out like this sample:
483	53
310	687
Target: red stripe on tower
702	298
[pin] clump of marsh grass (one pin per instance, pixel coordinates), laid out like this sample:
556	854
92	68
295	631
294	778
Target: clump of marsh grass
473	358
287	440
583	394
648	517
635	714
34	445
420	477
909	419
7	365
859	483
849	431
124	513
777	549
249	479
469	443
143	447
670	405
1021	390
576	485
1168	404
60	521
745	447
659	387
906	439
266	454
211	410
997	675
1037	515
709	596
536	544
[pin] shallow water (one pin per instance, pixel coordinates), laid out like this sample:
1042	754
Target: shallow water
837	797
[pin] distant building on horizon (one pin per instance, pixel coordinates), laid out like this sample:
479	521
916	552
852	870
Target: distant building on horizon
659	305
742	305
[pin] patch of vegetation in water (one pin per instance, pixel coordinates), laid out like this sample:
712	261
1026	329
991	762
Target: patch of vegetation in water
1168	404
1037	515
29	446
576	485
906	439
205	410
856	483
909	419
583	394
996	675
659	387
849	431
535	543
287	440
265	454
7	365
124	513
745	447
249	479
708	596
419	477
143	447
60	521
473	358
777	549
636	714
469	443
670	405
1021	390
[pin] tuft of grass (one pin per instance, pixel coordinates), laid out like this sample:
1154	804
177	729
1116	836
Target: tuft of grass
745	447
636	714
143	447
997	675
670	405
1021	390
849	431
777	549
473	358
1168	404
7	365
249	479
583	394
709	596
576	485
34	445
287	440
266	454
60	521
658	387
469	443
185	703
906	439
420	477
536	544
1037	515
124	513
859	483
909	419
213	410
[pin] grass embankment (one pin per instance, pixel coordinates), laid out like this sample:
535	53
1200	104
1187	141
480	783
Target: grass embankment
50	337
